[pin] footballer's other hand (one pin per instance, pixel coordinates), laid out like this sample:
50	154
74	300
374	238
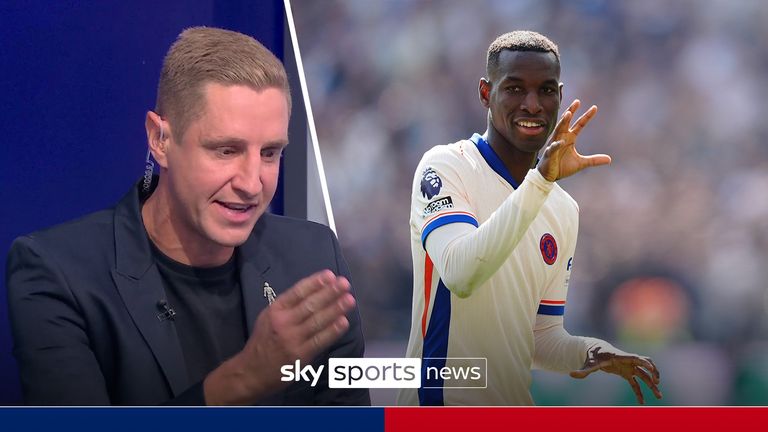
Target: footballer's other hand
628	366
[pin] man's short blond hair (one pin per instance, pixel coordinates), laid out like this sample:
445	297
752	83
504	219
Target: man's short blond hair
203	55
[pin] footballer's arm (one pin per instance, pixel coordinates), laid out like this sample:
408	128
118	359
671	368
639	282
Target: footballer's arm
466	257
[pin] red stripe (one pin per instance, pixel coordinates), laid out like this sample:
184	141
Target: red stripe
638	419
446	214
553	302
427	291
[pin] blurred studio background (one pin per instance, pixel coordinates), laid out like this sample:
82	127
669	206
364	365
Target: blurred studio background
672	259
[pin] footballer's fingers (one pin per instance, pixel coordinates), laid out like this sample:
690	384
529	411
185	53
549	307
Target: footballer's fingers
583	120
581	373
564	124
588	370
650	366
573	107
636	388
594	160
303	288
646	377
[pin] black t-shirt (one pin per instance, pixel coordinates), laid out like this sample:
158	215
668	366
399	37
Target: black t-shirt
209	320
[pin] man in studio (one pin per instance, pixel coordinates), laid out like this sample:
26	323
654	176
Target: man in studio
187	292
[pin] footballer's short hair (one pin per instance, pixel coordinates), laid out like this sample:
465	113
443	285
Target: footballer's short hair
203	55
519	40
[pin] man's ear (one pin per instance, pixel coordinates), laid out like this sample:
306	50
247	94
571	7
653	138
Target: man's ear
484	91
157	137
560	87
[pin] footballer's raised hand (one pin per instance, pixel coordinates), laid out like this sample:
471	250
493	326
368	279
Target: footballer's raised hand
300	324
560	158
628	366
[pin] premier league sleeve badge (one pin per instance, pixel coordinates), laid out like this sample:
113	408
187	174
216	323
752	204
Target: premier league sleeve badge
430	183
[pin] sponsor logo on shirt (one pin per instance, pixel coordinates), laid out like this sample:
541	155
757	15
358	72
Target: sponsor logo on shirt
548	247
438	205
430	183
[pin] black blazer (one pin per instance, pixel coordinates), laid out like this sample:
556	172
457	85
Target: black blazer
83	309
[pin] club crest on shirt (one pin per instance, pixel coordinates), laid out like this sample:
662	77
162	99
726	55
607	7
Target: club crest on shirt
548	247
430	183
438	205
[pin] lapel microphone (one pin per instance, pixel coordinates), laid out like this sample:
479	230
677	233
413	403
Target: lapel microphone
167	311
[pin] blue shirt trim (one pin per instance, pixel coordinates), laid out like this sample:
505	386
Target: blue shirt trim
493	159
551	310
445	220
436	347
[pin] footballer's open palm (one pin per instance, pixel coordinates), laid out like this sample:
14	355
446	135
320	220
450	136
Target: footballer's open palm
560	158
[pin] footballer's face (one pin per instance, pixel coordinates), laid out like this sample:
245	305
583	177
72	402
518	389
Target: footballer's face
223	174
523	96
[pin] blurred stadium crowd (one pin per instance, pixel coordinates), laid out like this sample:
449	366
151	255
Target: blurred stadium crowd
672	259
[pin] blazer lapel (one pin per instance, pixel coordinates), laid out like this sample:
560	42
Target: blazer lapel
252	279
140	297
141	287
255	270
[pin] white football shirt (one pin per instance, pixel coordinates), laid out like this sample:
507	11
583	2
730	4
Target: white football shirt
526	240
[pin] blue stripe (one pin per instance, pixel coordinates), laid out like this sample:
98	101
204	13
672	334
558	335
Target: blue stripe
551	310
189	419
436	345
493	159
445	220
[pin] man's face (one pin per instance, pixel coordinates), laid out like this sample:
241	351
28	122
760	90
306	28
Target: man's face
524	98
223	174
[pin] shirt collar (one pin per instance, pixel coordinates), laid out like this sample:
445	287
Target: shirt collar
493	160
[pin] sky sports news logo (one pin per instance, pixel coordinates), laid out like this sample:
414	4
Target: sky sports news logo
429	373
